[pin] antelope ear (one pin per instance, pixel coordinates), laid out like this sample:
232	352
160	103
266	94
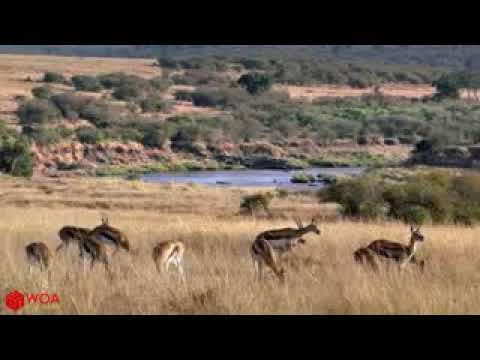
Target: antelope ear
314	221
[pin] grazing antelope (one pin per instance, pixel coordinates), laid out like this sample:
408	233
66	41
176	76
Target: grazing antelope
169	253
96	250
263	252
111	236
38	254
282	241
69	234
400	253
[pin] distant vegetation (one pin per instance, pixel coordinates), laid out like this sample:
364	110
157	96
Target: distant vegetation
455	56
255	112
435	196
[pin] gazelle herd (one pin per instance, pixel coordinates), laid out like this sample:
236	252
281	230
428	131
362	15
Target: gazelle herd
267	249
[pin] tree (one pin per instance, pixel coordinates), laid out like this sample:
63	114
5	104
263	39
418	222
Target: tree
255	83
448	86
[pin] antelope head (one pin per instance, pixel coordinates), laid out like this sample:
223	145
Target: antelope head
313	227
416	236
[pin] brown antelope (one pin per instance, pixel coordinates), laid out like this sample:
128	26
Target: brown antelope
96	250
111	236
169	253
38	254
282	241
69	234
400	253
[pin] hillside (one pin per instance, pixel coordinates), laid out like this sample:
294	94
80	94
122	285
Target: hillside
103	116
458	56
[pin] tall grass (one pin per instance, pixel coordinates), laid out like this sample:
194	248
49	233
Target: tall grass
321	276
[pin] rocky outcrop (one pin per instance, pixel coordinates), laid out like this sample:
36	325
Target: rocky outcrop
88	156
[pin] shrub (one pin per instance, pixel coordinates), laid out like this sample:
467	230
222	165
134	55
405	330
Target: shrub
437	196
155	137
86	83
70	104
98	113
183	95
302	178
16	158
113	80
415	214
168	63
255	83
128	92
253	203
160	84
351	194
44	136
37	111
128	134
154	104
67	166
53	77
88	135
42	92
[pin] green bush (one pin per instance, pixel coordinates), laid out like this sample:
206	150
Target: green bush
16	158
44	136
67	166
154	104
70	104
302	178
255	83
251	204
42	92
87	83
53	77
113	80
160	84
37	111
168	63
155	137
436	196
128	92
88	135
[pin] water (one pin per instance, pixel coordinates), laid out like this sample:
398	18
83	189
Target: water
248	178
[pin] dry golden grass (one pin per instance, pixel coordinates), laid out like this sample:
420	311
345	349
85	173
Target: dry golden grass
309	93
321	276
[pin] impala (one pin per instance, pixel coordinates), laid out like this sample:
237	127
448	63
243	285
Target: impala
38	254
110	235
69	234
169	253
400	253
96	250
266	244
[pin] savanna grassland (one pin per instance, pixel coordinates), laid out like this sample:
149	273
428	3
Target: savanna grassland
321	276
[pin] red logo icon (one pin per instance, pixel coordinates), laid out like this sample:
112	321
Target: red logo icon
15	300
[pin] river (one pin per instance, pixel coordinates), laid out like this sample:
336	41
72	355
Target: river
248	178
